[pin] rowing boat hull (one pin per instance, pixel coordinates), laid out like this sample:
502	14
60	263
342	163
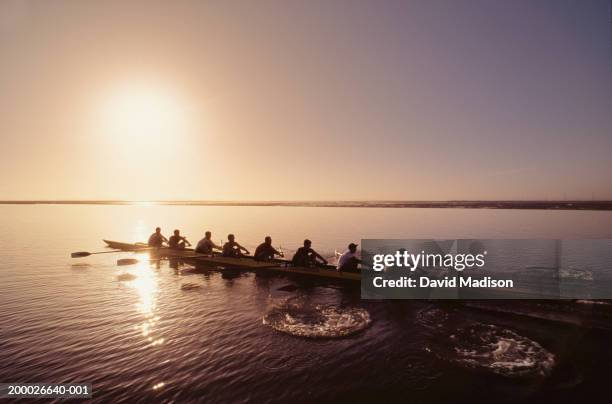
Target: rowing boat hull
189	255
125	246
318	272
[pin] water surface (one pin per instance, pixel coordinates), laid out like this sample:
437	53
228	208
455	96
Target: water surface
149	331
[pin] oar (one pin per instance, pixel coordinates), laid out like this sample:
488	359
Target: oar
127	261
80	254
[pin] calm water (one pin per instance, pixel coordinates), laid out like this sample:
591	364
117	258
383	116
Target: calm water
149	331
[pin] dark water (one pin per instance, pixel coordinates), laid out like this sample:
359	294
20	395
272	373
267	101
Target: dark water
151	332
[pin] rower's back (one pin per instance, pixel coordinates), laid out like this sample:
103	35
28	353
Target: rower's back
204	246
230	250
156	240
302	257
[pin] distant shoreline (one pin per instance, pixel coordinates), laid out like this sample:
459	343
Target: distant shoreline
547	205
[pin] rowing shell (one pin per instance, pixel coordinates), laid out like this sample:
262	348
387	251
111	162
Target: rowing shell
189	255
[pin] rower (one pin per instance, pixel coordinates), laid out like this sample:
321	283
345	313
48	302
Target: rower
348	262
157	239
306	256
232	248
265	251
206	245
178	242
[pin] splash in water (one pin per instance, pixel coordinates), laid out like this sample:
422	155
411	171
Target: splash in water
295	317
432	318
483	346
593	302
500	350
576	273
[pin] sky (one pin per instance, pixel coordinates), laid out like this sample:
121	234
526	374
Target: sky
305	100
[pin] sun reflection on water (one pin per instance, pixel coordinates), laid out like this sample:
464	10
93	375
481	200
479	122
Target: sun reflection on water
158	385
146	285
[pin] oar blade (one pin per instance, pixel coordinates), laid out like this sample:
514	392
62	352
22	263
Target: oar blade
80	254
127	261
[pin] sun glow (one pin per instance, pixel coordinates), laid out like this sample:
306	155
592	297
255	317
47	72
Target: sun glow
143	112
146	133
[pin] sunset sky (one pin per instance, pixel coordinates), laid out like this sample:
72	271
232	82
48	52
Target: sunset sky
305	100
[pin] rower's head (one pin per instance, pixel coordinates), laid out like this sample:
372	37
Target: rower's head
158	230
177	232
307	243
268	240
230	237
208	235
352	247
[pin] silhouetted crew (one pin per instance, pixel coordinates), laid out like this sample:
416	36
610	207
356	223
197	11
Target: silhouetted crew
306	256
206	245
178	242
157	239
265	251
232	248
349	262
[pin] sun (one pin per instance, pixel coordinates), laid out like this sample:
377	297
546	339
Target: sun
142	112
146	133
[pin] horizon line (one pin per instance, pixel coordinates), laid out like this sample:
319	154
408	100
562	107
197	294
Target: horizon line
564	200
602	205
